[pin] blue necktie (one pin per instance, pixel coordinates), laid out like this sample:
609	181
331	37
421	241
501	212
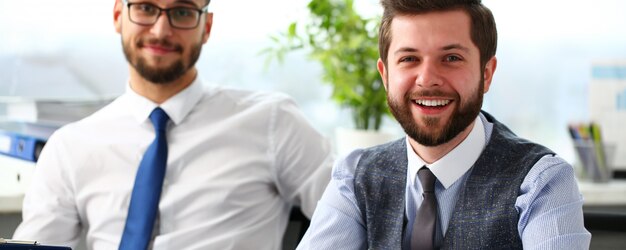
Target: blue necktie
144	201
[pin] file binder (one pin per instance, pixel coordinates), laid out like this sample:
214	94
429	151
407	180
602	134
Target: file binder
6	244
21	146
23	140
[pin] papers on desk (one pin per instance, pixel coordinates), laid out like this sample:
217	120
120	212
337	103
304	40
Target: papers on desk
29	122
23	135
50	111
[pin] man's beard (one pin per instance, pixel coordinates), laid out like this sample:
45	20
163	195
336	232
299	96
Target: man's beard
460	119
161	75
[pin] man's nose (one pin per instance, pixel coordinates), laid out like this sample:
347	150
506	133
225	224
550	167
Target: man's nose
428	75
162	27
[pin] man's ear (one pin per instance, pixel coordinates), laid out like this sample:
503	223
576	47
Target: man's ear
490	69
382	71
117	15
208	24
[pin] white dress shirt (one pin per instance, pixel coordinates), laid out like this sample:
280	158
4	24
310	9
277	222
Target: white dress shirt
549	202
238	161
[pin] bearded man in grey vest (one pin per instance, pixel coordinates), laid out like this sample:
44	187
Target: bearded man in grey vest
460	179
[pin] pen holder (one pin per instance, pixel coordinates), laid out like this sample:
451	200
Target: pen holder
594	161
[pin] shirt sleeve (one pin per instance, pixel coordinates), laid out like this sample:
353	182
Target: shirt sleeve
337	222
303	157
550	206
49	213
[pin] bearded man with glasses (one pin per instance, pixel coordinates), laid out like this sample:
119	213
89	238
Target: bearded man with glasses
174	164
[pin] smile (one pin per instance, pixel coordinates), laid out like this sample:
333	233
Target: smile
159	49
432	103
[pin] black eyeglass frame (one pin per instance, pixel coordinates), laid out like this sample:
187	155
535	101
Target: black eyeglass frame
204	9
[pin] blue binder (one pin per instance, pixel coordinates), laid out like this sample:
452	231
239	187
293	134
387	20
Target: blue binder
22	140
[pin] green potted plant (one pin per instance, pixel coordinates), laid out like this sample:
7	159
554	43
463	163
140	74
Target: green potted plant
346	46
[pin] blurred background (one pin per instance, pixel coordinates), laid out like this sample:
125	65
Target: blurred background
546	49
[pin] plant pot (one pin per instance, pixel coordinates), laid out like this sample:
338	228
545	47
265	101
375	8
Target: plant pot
348	140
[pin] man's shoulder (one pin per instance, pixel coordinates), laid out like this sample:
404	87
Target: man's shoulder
384	160
246	97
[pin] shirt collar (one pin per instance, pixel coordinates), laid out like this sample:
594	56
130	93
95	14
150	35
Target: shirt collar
453	165
177	107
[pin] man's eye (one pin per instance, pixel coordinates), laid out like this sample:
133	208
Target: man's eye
146	8
183	12
408	59
452	58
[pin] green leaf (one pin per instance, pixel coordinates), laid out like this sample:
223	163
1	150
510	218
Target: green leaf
292	29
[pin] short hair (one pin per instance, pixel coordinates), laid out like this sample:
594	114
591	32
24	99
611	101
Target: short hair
482	27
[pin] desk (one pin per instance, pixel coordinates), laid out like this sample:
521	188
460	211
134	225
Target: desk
612	193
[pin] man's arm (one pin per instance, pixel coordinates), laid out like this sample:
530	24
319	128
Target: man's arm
49	213
550	206
337	222
303	157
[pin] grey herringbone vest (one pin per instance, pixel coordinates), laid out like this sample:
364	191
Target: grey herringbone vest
484	216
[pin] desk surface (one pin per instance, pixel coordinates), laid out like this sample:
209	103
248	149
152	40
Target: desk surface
601	194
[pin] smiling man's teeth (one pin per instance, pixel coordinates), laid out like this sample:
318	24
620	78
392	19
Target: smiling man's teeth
432	103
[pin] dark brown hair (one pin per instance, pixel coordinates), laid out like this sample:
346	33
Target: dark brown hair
482	28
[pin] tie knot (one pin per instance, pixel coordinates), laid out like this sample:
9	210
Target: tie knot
427	178
159	119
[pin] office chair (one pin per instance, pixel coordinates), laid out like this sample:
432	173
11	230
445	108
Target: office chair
298	224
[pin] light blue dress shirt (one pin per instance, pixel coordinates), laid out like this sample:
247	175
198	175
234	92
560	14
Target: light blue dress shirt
549	204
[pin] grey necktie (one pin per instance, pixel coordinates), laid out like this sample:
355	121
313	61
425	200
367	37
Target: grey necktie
423	234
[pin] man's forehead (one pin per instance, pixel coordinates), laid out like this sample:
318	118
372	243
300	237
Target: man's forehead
436	17
453	22
441	30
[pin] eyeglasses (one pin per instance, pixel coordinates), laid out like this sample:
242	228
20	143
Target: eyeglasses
179	17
